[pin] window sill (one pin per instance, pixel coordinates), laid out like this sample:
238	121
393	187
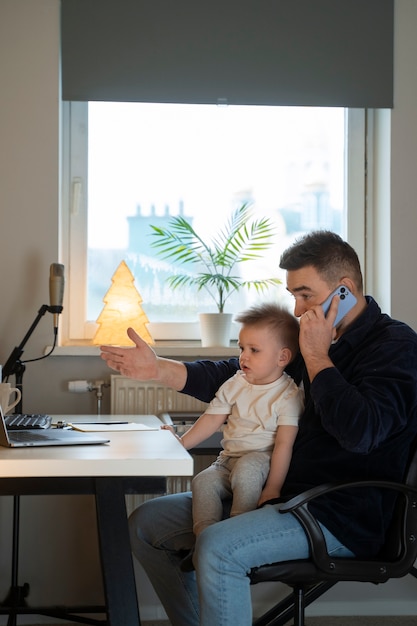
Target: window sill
183	349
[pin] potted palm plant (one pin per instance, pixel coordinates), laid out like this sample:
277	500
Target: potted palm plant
241	239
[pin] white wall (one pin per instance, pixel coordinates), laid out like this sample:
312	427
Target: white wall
29	219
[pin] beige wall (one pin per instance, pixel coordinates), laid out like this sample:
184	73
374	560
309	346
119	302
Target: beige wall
29	218
404	165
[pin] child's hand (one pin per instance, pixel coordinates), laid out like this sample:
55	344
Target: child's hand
168	427
172	429
268	494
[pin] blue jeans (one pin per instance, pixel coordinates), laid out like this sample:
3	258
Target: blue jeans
218	592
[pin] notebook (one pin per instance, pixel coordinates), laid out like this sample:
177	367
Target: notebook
48	437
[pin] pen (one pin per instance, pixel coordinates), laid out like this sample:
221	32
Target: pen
99	423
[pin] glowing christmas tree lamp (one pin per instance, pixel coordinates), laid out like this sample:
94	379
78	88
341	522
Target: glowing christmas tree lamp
121	310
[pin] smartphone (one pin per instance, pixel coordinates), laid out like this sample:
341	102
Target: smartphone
346	303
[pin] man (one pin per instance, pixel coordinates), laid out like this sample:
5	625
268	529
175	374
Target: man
360	382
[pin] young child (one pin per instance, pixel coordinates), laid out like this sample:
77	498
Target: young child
262	405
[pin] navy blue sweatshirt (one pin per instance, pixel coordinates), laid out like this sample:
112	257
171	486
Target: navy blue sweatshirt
359	421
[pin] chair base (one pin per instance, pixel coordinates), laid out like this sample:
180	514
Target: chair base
293	605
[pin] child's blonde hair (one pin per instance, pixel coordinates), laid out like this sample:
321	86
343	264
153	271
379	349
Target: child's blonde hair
278	319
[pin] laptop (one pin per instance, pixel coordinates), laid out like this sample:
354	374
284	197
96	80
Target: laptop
48	437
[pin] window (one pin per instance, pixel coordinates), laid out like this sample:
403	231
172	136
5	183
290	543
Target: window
129	165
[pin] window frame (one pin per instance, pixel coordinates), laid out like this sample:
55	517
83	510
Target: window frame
76	330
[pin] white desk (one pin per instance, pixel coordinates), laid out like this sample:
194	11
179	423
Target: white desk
130	453
133	462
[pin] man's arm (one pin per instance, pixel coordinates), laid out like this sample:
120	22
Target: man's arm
200	379
370	394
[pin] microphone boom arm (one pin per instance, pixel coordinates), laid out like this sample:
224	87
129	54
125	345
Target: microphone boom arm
13	364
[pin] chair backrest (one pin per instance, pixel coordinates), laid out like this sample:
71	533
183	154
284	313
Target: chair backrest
411	477
403	525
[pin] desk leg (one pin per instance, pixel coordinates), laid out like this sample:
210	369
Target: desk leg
115	551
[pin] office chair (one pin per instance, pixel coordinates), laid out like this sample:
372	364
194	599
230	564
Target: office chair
311	578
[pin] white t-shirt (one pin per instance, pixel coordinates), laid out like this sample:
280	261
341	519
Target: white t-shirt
255	412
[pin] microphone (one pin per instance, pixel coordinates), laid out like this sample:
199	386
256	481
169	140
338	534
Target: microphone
56	290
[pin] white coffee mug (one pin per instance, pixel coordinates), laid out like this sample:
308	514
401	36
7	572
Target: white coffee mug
6	391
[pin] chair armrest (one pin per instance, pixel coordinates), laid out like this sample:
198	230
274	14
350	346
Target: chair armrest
298	507
310	494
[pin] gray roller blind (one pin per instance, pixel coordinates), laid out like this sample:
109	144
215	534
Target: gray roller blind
269	52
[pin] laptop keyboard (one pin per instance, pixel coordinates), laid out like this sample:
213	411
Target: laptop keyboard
22	436
22	421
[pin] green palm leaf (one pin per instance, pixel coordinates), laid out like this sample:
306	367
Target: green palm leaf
238	241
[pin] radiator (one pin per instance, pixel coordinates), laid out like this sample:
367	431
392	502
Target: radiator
132	397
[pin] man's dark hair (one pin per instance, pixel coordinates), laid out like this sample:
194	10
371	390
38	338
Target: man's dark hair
330	256
278	319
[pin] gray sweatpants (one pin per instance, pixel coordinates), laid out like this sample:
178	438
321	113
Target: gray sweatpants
240	478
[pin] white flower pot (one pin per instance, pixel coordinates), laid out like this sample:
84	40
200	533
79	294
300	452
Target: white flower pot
215	329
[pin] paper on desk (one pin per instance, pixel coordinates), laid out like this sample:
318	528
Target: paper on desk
95	428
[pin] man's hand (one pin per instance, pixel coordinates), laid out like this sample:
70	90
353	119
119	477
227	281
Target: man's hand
138	362
316	336
141	363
